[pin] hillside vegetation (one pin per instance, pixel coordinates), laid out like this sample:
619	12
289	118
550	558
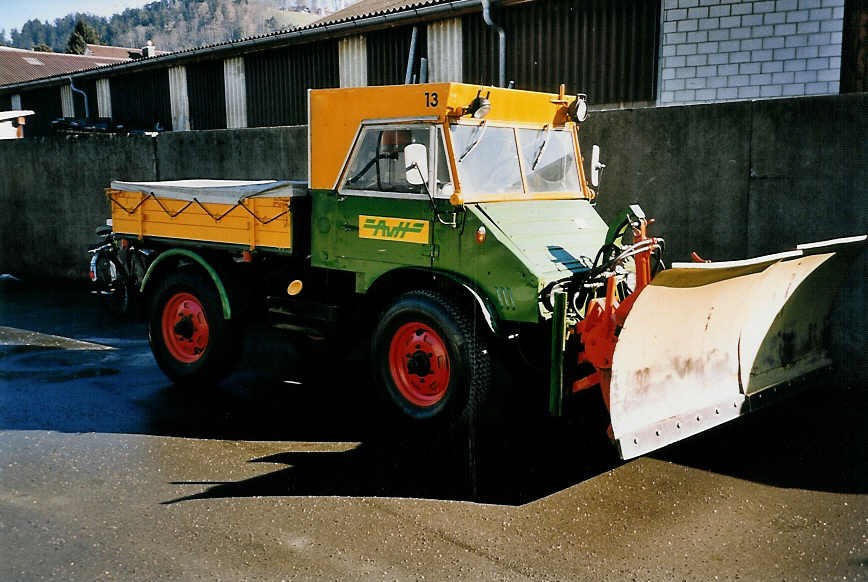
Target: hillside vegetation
177	24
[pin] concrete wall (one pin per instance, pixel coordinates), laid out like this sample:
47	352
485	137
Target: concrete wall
51	188
728	180
242	154
51	198
715	50
733	180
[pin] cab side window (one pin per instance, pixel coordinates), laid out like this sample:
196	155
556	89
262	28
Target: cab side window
378	161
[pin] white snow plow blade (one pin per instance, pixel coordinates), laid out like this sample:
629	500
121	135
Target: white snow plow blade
707	342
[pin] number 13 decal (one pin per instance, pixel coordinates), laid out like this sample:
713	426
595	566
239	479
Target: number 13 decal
431	99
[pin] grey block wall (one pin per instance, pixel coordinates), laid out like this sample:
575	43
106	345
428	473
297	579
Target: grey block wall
733	180
718	50
278	153
51	188
736	179
686	166
51	198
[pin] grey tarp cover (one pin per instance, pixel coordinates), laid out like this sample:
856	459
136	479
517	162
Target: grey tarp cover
218	191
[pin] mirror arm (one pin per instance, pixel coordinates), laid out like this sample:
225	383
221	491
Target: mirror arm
454	222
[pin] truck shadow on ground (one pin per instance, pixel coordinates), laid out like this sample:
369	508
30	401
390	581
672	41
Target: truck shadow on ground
412	468
517	455
509	458
813	440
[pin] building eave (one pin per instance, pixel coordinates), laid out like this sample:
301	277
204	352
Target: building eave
260	43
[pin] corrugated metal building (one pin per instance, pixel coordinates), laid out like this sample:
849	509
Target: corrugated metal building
619	52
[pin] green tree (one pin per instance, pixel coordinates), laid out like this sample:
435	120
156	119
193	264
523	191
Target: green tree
82	35
42	48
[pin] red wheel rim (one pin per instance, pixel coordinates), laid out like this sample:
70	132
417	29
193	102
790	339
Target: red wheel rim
185	327
419	364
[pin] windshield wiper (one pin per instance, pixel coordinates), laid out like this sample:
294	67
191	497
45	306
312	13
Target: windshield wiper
542	147
480	131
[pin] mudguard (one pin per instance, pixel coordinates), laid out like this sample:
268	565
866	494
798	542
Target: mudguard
706	342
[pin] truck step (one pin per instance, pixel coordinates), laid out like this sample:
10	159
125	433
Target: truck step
310	317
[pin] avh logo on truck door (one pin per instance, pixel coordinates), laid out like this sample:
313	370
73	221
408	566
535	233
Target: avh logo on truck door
409	230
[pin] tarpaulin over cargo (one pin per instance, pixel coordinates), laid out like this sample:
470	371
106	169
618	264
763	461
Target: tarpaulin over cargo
216	191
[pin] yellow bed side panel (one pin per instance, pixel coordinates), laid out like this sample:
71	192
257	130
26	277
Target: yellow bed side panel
138	214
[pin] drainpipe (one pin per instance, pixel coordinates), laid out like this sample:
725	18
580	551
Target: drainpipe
83	95
501	37
411	57
423	70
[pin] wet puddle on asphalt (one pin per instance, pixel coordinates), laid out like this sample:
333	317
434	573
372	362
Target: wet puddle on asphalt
23	339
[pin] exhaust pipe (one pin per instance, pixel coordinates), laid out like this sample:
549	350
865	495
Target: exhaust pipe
501	38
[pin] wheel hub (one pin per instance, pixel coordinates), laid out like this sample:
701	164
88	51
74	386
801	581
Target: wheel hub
185	327
419	364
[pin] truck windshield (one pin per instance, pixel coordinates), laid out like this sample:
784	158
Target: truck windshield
549	159
488	159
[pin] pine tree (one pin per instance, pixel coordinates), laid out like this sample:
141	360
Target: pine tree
82	35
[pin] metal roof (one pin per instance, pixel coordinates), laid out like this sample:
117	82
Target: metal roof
364	15
371	8
19	65
116	52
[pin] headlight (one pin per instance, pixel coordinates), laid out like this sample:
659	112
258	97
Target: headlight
578	109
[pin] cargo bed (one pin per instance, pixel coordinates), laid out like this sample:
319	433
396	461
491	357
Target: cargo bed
239	213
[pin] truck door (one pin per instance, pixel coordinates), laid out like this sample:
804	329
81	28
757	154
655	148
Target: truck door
383	211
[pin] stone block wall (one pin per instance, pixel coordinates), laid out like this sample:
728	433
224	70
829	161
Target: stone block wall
720	50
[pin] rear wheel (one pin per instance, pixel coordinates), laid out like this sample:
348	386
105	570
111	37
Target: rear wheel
119	300
429	358
191	341
116	291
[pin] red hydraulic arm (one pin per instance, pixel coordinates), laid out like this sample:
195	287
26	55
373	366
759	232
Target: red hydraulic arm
605	316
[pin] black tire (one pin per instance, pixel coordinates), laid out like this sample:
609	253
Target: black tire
190	361
121	300
401	366
116	293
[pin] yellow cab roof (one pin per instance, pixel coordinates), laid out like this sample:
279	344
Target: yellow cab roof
335	115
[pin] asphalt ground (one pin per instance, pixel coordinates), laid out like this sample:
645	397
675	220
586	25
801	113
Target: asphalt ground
289	470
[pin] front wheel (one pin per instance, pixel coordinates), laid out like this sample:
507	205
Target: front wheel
191	341
430	359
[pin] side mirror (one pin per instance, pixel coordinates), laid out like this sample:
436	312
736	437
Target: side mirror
596	166
416	163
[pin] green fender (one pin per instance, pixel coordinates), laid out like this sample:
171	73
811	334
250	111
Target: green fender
485	307
215	277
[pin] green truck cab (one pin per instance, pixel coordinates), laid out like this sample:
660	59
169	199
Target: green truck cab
462	200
